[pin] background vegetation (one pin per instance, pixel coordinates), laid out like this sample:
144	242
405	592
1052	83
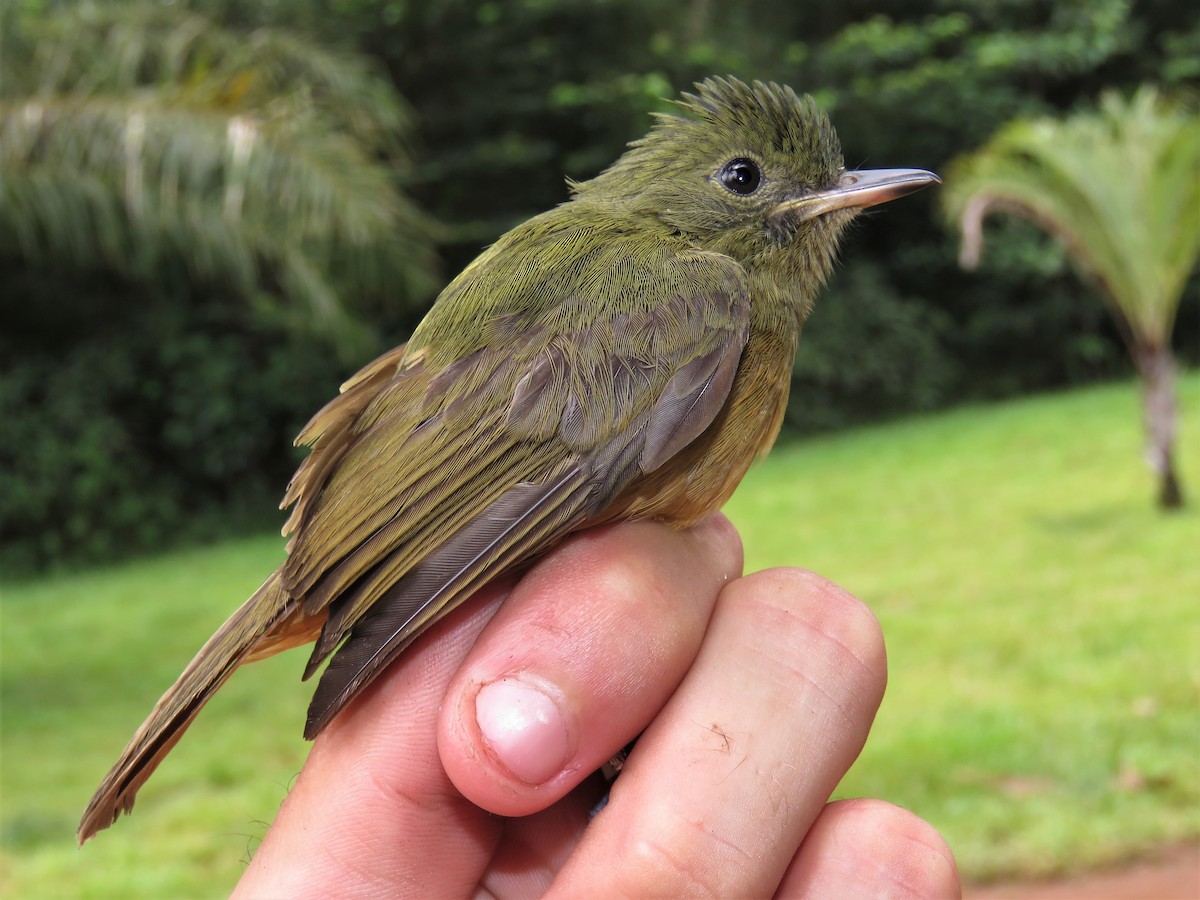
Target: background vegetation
169	317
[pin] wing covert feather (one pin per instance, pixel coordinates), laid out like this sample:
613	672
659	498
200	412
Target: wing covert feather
452	471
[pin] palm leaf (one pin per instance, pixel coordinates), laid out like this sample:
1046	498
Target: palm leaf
1120	187
139	139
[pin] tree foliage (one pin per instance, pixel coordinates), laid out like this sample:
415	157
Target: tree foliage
1120	190
153	142
198	223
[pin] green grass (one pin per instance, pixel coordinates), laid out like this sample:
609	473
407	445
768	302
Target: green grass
1041	619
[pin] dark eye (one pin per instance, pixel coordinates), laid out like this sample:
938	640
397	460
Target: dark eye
742	176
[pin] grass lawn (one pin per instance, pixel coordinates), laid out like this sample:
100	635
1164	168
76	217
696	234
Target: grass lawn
1041	619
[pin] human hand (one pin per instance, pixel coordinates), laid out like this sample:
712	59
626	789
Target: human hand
753	695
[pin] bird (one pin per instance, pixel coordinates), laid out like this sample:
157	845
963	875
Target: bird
625	355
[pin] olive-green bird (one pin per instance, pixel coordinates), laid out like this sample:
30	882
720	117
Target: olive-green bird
625	355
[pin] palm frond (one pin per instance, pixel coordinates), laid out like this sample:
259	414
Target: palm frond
1120	187
152	139
105	48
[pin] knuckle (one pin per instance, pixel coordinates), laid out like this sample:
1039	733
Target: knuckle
661	866
803	609
720	545
906	852
652	568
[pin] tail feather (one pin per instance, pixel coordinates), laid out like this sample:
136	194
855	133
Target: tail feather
210	668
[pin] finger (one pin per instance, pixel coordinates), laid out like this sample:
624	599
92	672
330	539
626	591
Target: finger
374	788
720	791
535	848
868	848
372	813
585	652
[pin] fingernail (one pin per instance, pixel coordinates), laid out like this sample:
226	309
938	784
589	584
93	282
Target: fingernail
524	729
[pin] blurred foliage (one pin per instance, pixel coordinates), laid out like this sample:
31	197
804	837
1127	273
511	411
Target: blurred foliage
872	353
153	429
157	144
501	101
1119	188
198	224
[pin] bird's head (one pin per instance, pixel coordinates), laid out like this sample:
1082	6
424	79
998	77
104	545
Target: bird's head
752	171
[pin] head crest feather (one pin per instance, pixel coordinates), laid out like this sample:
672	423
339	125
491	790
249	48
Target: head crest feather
774	114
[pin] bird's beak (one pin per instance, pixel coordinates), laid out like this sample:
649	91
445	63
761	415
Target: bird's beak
857	190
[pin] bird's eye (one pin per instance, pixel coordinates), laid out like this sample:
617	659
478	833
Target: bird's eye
742	176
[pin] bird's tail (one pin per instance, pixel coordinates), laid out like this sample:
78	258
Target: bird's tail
225	651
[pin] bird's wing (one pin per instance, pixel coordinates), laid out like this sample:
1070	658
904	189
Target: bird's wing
451	473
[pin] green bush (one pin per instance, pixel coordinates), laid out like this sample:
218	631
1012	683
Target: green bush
867	351
174	426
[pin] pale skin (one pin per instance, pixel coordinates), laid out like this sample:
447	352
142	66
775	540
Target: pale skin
753	695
